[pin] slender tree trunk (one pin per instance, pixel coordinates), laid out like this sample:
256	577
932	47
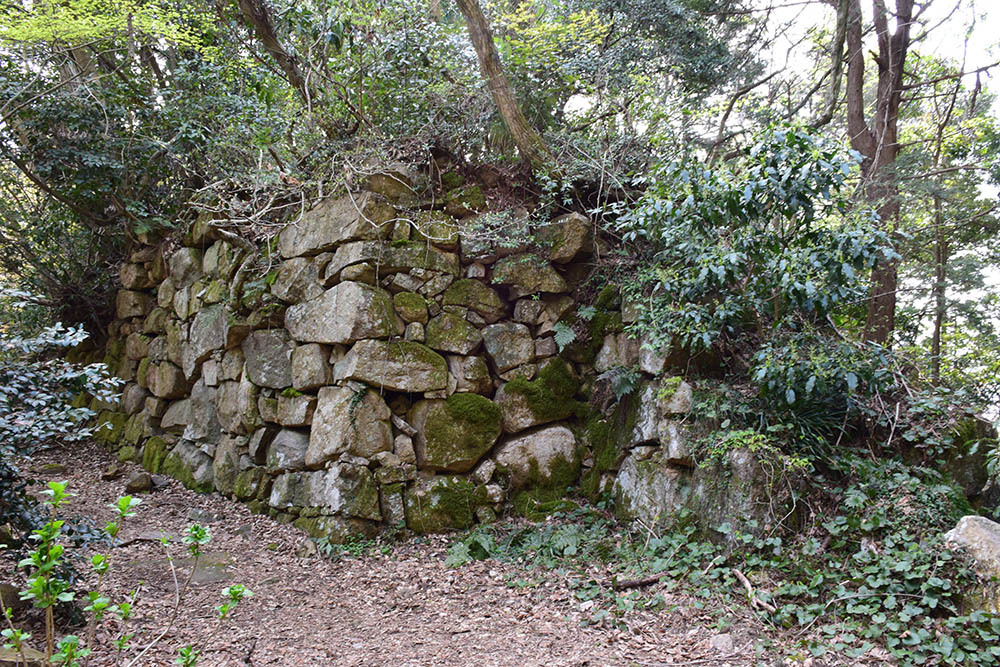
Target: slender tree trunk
877	140
256	14
529	143
940	295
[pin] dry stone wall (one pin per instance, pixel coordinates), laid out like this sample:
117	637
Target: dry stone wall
393	368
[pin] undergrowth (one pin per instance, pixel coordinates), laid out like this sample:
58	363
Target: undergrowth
870	577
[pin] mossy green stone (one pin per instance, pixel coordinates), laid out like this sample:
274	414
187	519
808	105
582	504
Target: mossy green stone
336	529
153	453
451	180
110	427
114	352
473	294
128	453
174	466
442	504
455	433
248	482
411	307
142	374
550	395
451	333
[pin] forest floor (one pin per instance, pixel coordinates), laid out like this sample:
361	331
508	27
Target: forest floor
399	607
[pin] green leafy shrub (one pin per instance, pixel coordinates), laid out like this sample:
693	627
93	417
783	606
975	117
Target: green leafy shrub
37	388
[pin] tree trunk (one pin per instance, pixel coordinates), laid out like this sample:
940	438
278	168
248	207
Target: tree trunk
529	143
940	295
877	141
256	14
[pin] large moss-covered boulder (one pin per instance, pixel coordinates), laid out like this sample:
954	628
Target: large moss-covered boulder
344	313
109	427
453	434
396	366
450	333
443	503
336	221
476	296
545	458
411	306
547	398
191	466
348	421
528	274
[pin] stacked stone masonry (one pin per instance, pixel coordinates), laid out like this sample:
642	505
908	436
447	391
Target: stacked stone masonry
400	370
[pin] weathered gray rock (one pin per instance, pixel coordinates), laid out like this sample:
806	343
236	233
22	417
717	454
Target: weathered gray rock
344	313
209	331
133	398
538	458
415	332
348	421
185	267
528	274
476	296
509	345
219	260
310	368
136	346
298	279
395	182
135	276
617	350
402	447
567	237
451	333
979	537
166	381
236	406
139	482
260	441
203	422
396	366
287	451
156	321
165	294
226	464
345	489
336	221
399	257
471	374
269	358
658	493
133	304
454	434
176	417
295	411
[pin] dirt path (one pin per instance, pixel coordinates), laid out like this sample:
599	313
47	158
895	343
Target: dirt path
400	609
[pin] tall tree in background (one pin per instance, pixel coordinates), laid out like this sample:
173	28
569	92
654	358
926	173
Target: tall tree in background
875	136
529	143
